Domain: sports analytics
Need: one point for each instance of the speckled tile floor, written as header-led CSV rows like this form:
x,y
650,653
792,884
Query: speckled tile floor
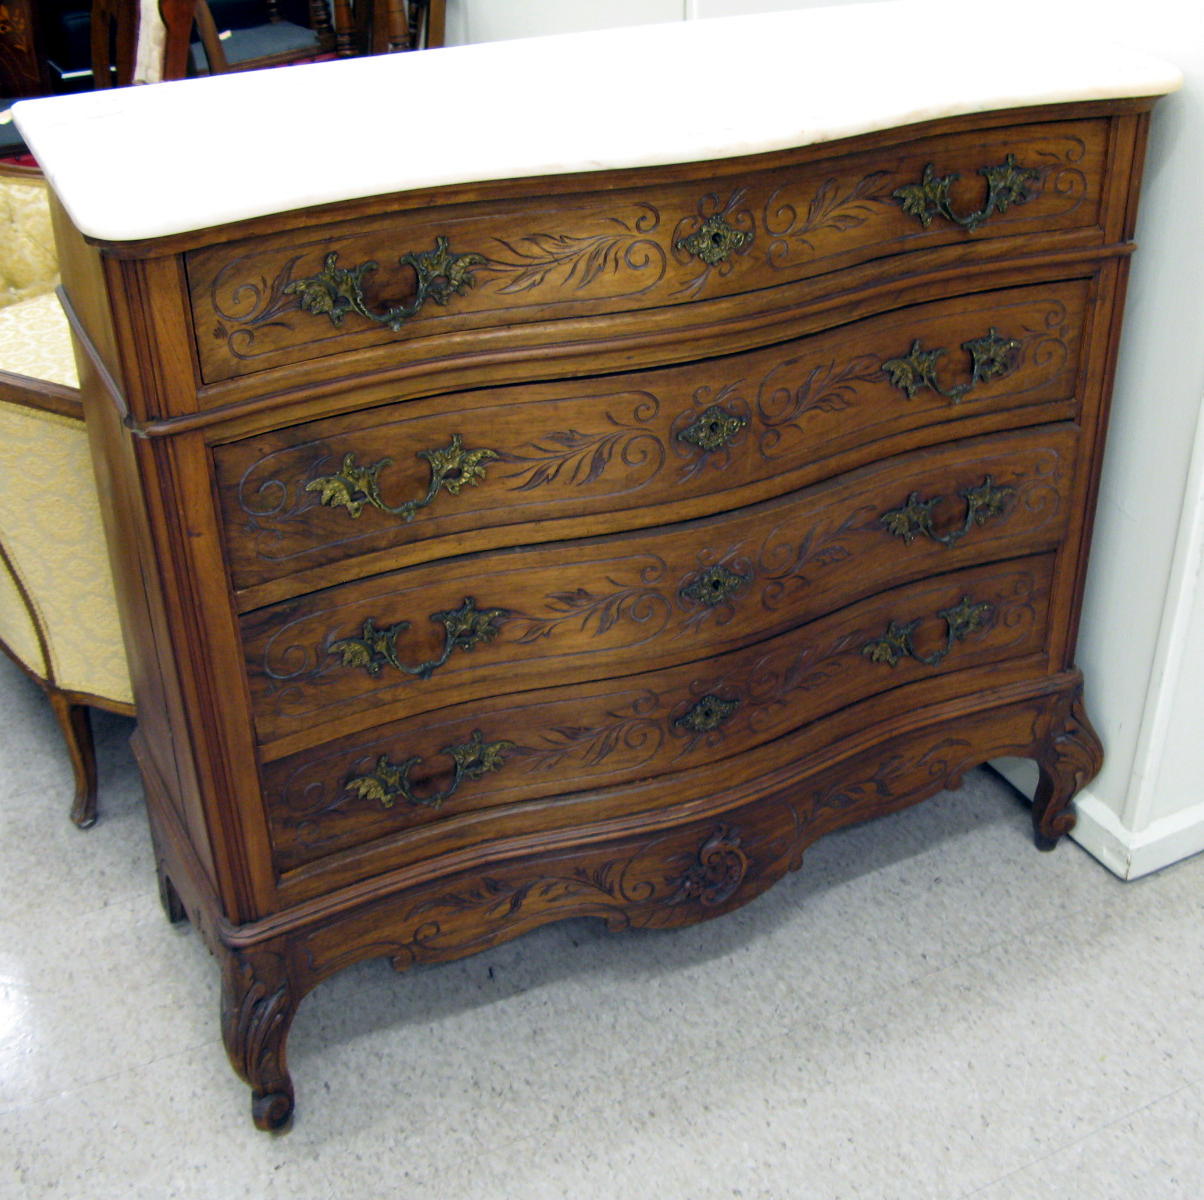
x,y
929,1009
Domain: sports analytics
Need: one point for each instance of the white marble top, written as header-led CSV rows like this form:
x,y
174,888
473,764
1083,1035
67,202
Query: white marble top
x,y
148,161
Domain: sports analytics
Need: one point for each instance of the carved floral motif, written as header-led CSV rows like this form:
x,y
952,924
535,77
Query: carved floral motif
x,y
718,872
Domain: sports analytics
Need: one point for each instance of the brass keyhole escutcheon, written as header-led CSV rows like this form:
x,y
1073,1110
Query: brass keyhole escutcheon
x,y
715,586
712,429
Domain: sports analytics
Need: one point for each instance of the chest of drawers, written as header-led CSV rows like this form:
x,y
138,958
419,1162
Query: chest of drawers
x,y
591,543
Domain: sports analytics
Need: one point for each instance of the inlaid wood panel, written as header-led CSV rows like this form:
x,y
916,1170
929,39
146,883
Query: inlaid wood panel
x,y
286,298
307,496
542,743
416,639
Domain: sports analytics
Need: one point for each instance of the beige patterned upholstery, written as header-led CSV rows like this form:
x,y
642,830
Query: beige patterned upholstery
x,y
35,340
50,527
58,612
28,265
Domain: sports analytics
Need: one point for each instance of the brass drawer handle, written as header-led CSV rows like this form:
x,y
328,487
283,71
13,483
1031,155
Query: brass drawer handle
x,y
353,486
335,291
991,357
964,618
389,782
983,502
1007,184
463,628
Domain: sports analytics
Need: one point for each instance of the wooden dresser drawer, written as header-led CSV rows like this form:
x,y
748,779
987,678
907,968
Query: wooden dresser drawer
x,y
417,639
284,298
583,523
542,743
406,483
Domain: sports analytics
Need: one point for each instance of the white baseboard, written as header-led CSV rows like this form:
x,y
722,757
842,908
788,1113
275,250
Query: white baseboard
x,y
1098,830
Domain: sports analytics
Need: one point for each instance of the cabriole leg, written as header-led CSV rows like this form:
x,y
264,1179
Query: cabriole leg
x,y
258,1004
77,730
1069,760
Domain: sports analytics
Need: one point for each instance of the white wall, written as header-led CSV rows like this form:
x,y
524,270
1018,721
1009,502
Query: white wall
x,y
1141,646
500,20
1142,639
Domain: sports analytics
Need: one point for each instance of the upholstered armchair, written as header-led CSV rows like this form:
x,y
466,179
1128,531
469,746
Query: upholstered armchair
x,y
58,614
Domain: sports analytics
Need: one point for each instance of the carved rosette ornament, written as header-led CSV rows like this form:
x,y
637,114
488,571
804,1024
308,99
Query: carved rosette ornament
x,y
718,872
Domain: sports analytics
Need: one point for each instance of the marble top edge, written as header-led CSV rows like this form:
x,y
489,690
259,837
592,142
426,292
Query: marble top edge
x,y
194,154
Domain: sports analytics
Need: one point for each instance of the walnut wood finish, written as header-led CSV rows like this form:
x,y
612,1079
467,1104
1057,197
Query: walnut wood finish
x,y
443,631
622,250
575,611
603,734
578,447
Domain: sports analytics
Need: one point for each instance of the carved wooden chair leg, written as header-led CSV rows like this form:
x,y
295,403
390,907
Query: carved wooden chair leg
x,y
77,730
1070,759
258,1005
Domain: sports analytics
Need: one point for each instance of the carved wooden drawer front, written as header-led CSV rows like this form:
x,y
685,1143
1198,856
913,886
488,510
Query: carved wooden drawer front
x,y
539,744
420,638
494,548
303,497
266,302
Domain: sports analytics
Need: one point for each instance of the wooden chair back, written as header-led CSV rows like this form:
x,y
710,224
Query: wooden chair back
x,y
181,17
114,42
387,26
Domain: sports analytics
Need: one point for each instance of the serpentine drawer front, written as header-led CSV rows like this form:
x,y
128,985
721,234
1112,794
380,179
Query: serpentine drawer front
x,y
587,529
548,742
511,464
498,623
271,301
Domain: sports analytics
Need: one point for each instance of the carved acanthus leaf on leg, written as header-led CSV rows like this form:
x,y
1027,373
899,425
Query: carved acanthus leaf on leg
x,y
1070,759
258,1004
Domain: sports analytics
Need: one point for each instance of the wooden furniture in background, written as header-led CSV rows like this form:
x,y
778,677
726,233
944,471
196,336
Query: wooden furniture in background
x,y
272,43
114,41
22,69
590,544
388,26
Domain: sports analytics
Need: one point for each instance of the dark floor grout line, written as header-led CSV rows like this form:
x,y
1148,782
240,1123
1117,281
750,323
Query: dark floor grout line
x,y
80,1086
1061,1149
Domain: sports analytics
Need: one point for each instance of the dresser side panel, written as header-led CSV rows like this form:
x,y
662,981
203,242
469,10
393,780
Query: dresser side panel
x,y
137,574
